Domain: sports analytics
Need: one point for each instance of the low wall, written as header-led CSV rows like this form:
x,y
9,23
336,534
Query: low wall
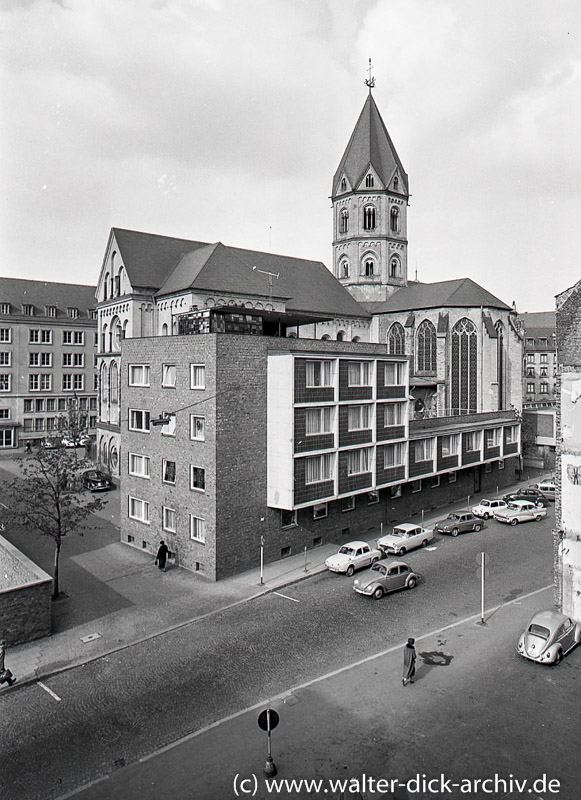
x,y
25,597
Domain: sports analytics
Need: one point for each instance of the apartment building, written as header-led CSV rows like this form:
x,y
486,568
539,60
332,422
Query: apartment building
x,y
47,358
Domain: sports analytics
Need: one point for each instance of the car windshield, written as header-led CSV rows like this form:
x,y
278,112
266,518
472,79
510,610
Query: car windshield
x,y
485,502
539,630
379,568
514,507
399,532
453,516
347,551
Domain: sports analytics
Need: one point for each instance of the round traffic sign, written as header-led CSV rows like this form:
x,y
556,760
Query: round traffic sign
x,y
268,719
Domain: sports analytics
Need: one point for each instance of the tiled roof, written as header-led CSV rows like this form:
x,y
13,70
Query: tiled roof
x,y
538,319
18,292
167,265
459,293
370,143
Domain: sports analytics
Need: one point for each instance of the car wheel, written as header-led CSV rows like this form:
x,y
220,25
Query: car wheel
x,y
378,593
486,516
411,583
477,528
539,517
455,531
558,657
350,570
425,543
401,551
514,521
374,560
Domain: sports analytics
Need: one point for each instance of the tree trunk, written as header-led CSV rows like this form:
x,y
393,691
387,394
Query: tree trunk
x,y
55,575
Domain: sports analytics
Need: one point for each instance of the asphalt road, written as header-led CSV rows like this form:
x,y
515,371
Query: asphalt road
x,y
114,710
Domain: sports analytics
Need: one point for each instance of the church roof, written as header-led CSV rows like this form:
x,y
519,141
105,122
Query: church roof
x,y
458,293
370,143
166,265
40,294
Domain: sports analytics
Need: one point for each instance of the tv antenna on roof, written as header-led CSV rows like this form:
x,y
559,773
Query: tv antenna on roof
x,y
271,275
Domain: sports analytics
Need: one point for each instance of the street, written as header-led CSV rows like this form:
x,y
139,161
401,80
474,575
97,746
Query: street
x,y
115,710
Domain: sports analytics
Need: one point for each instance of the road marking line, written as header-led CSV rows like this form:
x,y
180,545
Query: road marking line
x,y
287,597
50,691
3,506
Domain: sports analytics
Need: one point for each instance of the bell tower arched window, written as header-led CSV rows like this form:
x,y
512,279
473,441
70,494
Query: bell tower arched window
x,y
369,218
344,221
394,219
396,340
426,347
394,267
344,269
396,182
369,182
464,367
343,184
368,267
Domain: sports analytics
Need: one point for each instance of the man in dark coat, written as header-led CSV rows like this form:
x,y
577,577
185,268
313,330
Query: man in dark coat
x,y
161,557
5,674
409,662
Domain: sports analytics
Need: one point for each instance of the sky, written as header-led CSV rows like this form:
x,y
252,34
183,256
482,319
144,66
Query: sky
x,y
223,120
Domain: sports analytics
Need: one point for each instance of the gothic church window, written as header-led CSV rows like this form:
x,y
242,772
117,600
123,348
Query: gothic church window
x,y
395,182
369,181
426,347
464,367
369,218
368,268
394,267
394,219
396,340
344,221
344,269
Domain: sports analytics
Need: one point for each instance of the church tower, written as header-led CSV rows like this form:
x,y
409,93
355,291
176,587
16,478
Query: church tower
x,y
370,200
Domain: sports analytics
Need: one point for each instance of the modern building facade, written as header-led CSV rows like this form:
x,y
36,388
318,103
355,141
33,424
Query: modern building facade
x,y
47,358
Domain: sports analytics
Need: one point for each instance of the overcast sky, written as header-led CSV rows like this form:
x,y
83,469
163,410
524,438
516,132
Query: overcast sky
x,y
224,120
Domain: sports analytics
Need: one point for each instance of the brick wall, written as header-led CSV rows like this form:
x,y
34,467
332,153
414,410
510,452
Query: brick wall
x,y
25,597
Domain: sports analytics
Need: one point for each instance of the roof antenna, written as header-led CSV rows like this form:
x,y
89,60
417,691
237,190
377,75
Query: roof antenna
x,y
369,81
416,270
271,275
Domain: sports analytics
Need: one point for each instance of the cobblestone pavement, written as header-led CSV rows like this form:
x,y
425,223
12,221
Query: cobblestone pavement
x,y
117,709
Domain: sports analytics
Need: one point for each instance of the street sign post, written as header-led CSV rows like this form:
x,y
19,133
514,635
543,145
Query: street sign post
x,y
267,721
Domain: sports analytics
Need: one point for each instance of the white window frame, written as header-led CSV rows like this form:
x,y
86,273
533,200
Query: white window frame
x,y
46,359
165,373
293,522
511,434
197,488
164,464
359,373
398,448
146,419
79,337
169,427
134,470
321,468
359,418
319,374
68,359
396,410
452,477
202,437
394,373
197,371
78,360
452,442
319,421
34,336
426,446
131,510
416,485
6,335
360,461
496,437
33,382
6,358
67,382
45,382
320,511
348,504
4,413
166,525
200,524
5,382
78,382
139,374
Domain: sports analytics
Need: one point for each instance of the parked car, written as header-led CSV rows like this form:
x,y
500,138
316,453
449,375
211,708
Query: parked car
x,y
520,511
385,577
547,488
548,637
528,493
486,508
51,443
458,522
352,556
96,481
404,537
80,441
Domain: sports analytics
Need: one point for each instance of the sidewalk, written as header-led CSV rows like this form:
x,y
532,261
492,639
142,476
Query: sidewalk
x,y
126,599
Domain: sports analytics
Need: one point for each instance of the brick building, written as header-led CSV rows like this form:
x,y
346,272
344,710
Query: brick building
x,y
567,534
47,357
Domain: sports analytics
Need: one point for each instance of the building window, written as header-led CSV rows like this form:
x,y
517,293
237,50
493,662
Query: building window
x,y
372,498
394,267
416,486
39,405
6,335
4,413
544,388
530,372
51,423
169,427
28,406
67,359
394,219
197,376
396,340
139,510
50,311
531,388
78,360
320,511
544,372
39,424
45,382
394,455
319,373
73,313
358,418
348,503
394,374
344,269
28,310
344,221
464,367
4,382
168,471
197,478
493,437
511,434
319,468
501,464
50,404
395,491
46,359
530,358
393,414
34,335
426,347
67,337
369,182
359,461
288,519
359,373
4,308
197,428
319,420
435,481
138,375
450,445
343,184
423,450
62,404
33,383
369,218
544,358
139,420
139,465
488,468
168,376
79,383
168,519
5,359
452,477
368,269
197,529
78,337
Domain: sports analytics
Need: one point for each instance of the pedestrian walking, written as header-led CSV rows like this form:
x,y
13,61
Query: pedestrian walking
x,y
161,557
28,447
409,662
5,674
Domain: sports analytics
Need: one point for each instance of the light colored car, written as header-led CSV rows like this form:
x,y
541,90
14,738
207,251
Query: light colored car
x,y
458,522
548,637
486,508
352,556
385,577
403,538
520,511
547,489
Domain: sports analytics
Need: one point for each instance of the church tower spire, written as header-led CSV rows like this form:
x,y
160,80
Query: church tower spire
x,y
370,199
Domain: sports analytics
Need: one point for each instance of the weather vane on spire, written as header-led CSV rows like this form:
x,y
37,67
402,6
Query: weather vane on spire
x,y
370,81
